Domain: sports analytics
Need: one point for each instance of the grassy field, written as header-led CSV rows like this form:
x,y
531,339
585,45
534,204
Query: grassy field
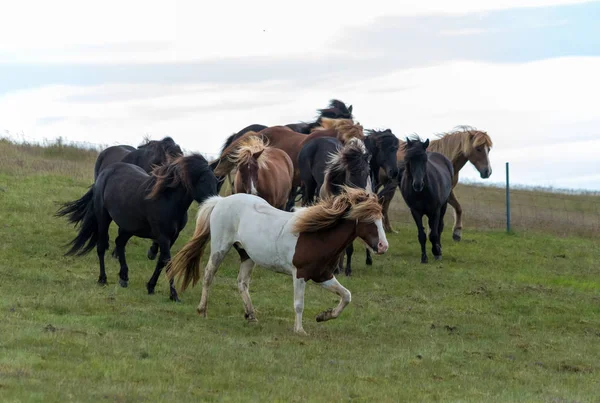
x,y
505,317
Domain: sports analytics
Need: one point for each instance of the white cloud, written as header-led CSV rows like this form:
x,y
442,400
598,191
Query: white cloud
x,y
541,115
72,31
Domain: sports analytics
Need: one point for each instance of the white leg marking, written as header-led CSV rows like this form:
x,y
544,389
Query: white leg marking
x,y
299,286
209,274
383,245
345,297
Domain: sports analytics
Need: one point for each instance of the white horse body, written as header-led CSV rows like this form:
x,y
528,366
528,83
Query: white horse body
x,y
263,231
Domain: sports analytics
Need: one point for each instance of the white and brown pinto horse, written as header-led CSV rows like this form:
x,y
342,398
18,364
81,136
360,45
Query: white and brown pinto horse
x,y
305,244
263,171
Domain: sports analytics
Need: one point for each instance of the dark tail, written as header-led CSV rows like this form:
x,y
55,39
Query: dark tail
x,y
81,213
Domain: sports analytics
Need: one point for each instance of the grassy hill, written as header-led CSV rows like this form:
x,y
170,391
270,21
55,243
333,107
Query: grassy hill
x,y
504,317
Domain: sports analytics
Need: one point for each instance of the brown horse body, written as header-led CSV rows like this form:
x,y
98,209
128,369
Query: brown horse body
x,y
463,145
263,171
291,142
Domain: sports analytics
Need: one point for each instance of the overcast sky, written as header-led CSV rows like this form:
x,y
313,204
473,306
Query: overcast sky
x,y
110,72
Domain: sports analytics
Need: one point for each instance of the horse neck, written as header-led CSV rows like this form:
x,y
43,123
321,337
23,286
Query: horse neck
x,y
322,248
456,155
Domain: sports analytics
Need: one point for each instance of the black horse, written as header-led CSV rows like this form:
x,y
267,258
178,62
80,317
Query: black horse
x,y
147,206
425,185
325,166
146,156
383,145
336,110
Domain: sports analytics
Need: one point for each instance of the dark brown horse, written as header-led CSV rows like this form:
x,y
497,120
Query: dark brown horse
x,y
147,206
465,144
291,142
147,156
425,185
263,171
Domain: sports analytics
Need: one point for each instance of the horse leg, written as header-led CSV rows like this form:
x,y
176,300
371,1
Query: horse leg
x,y
102,245
386,200
335,287
418,217
120,243
434,235
349,252
457,230
299,286
340,264
309,192
369,259
243,280
163,258
215,260
153,251
291,199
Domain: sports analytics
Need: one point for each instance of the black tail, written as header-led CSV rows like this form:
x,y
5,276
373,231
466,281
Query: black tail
x,y
81,212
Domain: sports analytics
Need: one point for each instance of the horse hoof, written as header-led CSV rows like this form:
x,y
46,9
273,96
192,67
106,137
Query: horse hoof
x,y
250,318
101,281
456,237
201,312
151,254
174,298
301,332
150,290
424,260
369,262
325,315
348,273
438,258
123,283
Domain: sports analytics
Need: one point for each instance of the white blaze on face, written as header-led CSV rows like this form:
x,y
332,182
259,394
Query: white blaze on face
x,y
253,188
487,158
382,246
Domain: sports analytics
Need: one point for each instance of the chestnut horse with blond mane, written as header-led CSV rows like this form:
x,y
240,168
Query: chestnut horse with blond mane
x,y
263,171
304,244
465,144
291,142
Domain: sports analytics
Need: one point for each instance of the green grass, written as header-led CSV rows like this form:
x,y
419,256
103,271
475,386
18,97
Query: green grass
x,y
505,317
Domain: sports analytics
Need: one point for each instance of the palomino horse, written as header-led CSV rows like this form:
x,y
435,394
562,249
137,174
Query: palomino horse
x,y
304,244
336,110
425,185
465,144
145,206
326,166
147,156
291,142
263,171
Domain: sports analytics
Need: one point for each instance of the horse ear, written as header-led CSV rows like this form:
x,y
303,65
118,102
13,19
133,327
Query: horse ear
x,y
408,141
256,155
426,144
350,109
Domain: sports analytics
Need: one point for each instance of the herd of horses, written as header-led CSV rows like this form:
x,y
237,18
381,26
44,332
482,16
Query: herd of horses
x,y
346,178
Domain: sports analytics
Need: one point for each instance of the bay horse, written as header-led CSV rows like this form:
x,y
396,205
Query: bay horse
x,y
304,244
291,142
336,110
326,166
147,206
263,171
146,156
425,185
462,145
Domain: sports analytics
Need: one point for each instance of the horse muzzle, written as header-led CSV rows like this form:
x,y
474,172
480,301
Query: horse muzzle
x,y
486,173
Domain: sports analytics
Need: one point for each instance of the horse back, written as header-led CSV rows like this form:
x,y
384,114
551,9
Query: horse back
x,y
111,155
441,171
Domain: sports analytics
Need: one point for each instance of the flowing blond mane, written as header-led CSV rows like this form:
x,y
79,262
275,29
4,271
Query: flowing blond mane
x,y
352,204
461,140
345,128
247,148
226,164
